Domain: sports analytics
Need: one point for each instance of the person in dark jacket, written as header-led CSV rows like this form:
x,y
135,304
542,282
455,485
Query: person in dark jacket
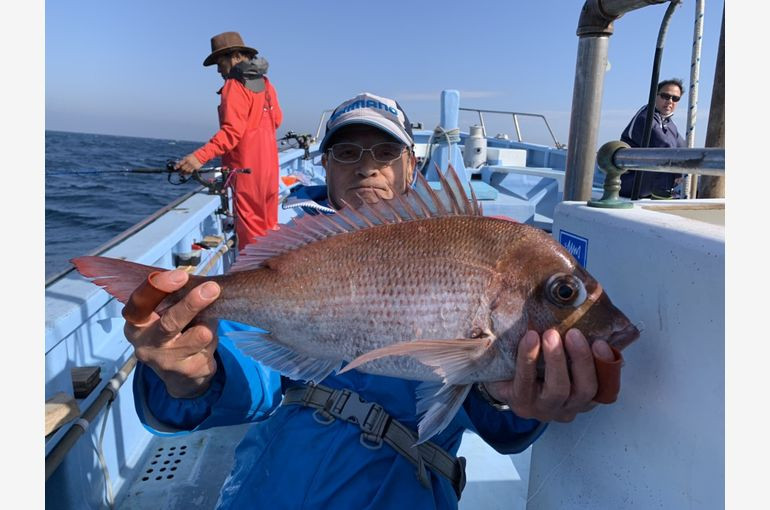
x,y
664,134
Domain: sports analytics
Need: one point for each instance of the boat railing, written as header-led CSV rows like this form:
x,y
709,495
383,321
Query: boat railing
x,y
616,158
701,161
125,234
515,116
321,124
81,426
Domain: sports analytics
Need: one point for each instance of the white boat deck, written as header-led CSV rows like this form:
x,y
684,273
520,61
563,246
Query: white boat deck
x,y
494,481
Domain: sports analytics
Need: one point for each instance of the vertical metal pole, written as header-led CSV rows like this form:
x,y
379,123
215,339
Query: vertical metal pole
x,y
691,181
516,126
483,127
711,186
446,150
584,121
594,30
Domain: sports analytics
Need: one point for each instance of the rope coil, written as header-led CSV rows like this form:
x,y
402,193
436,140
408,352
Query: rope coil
x,y
452,136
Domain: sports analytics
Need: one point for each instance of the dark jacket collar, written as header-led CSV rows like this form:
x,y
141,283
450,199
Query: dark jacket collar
x,y
250,73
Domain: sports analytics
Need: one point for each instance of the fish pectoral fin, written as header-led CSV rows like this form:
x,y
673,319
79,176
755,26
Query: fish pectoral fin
x,y
454,360
263,348
437,404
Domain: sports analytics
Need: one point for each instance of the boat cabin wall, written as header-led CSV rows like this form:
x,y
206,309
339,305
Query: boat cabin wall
x,y
661,445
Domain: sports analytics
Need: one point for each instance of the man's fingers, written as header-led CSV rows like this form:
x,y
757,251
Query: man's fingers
x,y
188,164
205,337
177,317
525,381
172,357
584,383
556,387
601,350
192,377
526,359
143,301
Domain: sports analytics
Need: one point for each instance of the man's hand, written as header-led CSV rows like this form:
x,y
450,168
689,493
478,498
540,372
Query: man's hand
x,y
558,397
188,164
183,360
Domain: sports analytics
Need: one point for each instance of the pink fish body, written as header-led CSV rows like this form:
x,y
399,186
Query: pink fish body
x,y
421,287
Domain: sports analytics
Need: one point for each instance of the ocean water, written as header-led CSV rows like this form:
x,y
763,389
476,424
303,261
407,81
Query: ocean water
x,y
90,197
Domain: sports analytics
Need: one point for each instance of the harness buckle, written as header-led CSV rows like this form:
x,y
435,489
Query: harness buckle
x,y
373,427
322,417
378,427
370,417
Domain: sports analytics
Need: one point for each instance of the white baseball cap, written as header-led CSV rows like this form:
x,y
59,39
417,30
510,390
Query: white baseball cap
x,y
366,108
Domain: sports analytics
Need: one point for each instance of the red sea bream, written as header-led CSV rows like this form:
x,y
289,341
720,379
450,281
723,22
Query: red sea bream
x,y
420,287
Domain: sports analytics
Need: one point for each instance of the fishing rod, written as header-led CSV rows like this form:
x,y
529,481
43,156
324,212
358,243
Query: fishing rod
x,y
175,177
215,186
146,170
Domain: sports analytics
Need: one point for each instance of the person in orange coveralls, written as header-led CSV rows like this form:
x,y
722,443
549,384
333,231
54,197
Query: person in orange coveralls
x,y
249,115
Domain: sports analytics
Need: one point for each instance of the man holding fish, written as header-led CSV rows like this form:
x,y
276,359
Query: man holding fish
x,y
322,447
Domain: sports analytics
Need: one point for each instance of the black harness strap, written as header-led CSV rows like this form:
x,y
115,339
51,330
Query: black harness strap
x,y
377,426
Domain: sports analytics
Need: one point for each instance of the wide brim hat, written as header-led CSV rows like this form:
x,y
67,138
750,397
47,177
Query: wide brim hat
x,y
366,108
226,42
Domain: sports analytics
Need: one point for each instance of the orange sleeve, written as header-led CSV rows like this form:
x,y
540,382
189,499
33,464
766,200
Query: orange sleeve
x,y
233,120
277,112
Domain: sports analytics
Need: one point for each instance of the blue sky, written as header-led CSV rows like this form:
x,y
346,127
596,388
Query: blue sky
x,y
135,68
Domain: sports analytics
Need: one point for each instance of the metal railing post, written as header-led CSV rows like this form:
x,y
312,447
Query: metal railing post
x,y
594,29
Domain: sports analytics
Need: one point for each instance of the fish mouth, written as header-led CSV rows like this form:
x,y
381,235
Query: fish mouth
x,y
623,338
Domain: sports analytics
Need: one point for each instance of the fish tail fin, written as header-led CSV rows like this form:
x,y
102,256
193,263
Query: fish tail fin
x,y
118,277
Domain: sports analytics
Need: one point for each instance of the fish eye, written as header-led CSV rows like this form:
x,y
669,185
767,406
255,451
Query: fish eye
x,y
565,290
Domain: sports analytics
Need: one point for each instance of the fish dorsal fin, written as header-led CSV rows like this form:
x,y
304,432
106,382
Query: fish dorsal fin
x,y
419,202
450,200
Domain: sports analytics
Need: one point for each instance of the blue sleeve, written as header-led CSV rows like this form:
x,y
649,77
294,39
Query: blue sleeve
x,y
633,135
242,391
502,430
680,141
637,134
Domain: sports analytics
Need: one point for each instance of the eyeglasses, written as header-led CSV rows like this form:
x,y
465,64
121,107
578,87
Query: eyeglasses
x,y
666,97
385,152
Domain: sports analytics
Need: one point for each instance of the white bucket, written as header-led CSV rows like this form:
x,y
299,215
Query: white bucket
x,y
475,154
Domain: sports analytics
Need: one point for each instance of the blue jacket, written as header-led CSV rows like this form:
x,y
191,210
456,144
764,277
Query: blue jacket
x,y
664,134
289,460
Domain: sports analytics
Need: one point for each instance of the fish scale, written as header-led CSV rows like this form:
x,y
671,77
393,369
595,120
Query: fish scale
x,y
394,303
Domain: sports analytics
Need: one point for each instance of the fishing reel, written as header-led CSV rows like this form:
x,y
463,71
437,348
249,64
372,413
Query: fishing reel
x,y
217,185
303,141
177,178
